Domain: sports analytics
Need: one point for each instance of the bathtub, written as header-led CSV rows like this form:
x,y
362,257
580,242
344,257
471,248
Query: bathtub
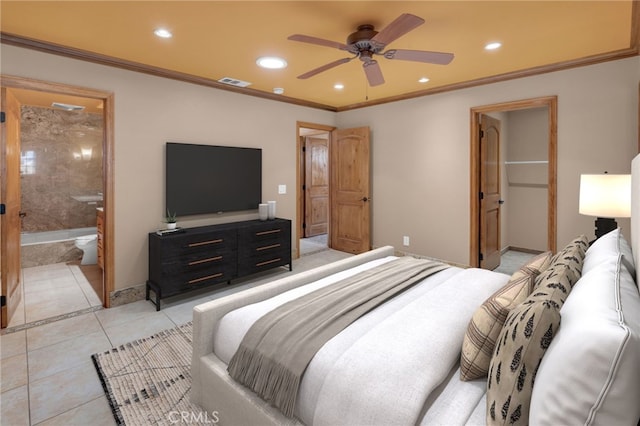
x,y
44,237
49,247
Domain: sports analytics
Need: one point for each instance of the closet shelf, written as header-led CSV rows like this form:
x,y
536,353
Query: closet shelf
x,y
527,162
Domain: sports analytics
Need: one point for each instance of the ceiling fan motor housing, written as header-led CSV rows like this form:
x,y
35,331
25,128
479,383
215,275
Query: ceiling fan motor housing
x,y
360,41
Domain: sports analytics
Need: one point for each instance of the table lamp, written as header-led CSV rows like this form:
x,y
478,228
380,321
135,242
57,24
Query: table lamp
x,y
605,196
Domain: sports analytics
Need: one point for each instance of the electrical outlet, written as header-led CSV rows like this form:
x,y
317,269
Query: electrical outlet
x,y
405,241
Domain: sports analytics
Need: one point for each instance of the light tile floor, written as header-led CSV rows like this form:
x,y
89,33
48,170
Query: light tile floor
x,y
313,244
512,260
47,376
52,290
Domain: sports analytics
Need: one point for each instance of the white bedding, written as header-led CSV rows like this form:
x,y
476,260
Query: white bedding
x,y
455,400
383,368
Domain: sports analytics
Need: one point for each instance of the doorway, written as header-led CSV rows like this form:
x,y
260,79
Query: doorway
x,y
313,198
52,247
514,169
347,159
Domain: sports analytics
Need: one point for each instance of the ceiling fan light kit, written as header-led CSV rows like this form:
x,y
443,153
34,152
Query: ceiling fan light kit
x,y
367,42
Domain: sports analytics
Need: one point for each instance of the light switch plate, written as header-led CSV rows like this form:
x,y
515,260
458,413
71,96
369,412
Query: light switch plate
x,y
282,189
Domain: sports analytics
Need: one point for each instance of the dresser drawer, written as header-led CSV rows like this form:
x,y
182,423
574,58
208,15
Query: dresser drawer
x,y
264,248
197,261
178,283
264,232
209,242
264,260
206,253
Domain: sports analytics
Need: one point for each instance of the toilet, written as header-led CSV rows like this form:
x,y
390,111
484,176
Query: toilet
x,y
89,246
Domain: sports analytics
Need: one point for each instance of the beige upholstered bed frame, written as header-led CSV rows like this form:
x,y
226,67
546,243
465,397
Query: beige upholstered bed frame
x,y
635,213
213,389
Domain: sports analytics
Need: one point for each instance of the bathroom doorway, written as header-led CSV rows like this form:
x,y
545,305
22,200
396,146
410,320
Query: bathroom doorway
x,y
65,186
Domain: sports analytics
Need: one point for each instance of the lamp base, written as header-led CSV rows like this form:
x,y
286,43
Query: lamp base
x,y
605,225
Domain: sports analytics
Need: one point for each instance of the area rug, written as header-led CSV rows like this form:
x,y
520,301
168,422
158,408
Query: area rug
x,y
148,381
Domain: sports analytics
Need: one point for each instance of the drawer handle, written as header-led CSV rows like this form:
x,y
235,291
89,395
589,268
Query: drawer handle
x,y
268,247
208,277
210,259
273,231
268,262
204,243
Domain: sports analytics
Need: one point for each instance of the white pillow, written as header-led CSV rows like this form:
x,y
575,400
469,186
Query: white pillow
x,y
589,374
612,243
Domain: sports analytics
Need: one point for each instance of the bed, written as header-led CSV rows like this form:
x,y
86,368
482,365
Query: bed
x,y
558,342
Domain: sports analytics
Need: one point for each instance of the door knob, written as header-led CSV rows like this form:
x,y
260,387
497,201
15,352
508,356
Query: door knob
x,y
365,199
500,201
22,214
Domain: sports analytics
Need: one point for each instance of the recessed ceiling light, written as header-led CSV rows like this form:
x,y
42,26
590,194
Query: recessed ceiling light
x,y
423,80
278,90
163,33
338,86
493,45
271,62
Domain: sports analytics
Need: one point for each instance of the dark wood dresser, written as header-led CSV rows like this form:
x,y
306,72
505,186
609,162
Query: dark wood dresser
x,y
212,256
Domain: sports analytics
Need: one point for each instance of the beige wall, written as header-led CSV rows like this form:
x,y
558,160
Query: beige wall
x,y
150,111
421,152
420,147
526,183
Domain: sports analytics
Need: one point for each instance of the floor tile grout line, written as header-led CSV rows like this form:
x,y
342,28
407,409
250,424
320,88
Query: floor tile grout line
x,y
26,349
79,285
103,329
50,320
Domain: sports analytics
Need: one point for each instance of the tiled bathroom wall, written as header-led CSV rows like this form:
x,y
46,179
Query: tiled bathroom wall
x,y
61,168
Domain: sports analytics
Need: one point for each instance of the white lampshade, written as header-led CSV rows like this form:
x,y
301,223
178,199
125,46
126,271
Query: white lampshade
x,y
605,195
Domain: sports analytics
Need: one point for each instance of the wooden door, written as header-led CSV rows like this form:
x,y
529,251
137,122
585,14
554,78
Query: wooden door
x,y
10,197
489,192
350,190
316,208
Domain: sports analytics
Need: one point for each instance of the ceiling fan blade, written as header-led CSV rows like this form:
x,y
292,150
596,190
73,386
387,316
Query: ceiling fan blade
x,y
373,72
318,41
402,25
440,58
324,68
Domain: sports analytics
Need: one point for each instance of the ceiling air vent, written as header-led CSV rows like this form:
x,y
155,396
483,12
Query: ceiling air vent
x,y
67,107
234,82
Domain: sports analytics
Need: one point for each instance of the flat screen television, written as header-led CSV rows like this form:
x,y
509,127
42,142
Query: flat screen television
x,y
206,179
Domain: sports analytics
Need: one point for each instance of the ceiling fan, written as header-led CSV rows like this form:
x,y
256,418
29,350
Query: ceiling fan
x,y
367,42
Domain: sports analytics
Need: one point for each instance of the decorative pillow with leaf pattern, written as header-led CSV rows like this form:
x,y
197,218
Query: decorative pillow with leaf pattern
x,y
526,335
572,255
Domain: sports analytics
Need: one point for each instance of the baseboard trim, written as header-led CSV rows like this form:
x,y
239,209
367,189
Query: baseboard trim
x,y
127,295
520,249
